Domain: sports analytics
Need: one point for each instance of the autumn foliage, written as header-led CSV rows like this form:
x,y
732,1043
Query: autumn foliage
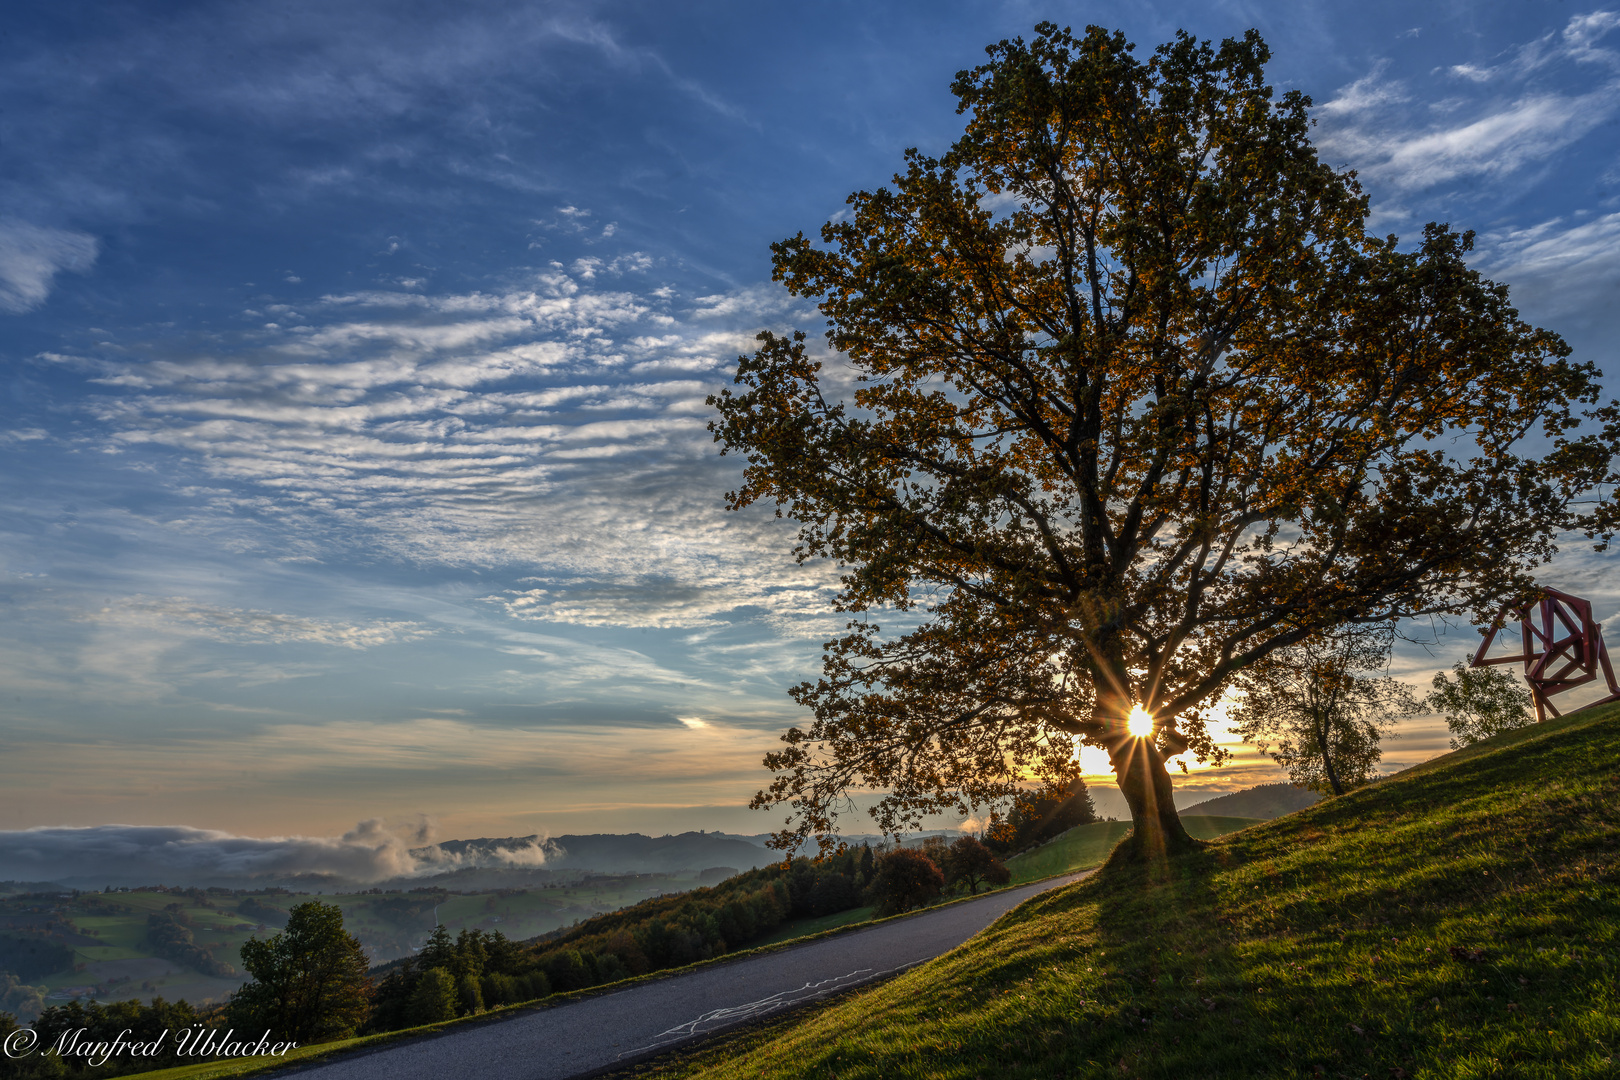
x,y
1121,399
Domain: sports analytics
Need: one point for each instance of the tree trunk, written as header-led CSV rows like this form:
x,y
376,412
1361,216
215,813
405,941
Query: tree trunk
x,y
1146,784
1320,724
1138,765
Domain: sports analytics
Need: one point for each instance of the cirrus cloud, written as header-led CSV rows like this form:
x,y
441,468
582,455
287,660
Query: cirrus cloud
x,y
1509,117
30,258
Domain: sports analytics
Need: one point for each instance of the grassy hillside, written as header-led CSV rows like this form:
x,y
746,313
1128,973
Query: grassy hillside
x,y
1088,845
1458,920
1265,802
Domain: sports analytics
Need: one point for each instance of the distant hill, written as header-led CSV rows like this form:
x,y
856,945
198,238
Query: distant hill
x,y
1265,802
607,853
610,853
9,888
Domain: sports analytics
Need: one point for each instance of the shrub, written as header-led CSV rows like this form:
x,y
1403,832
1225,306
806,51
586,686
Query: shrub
x,y
567,970
471,995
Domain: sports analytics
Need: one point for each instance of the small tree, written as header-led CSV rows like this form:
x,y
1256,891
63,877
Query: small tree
x,y
471,995
439,950
310,982
970,863
1310,710
1484,701
905,878
937,848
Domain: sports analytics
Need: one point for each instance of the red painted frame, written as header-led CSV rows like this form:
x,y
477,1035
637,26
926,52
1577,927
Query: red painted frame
x,y
1553,664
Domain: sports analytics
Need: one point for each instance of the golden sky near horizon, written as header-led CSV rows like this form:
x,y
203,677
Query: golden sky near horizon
x,y
473,780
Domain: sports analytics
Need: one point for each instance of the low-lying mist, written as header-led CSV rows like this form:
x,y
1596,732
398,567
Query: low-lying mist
x,y
102,855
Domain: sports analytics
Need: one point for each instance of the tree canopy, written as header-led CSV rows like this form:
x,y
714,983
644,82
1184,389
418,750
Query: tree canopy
x,y
1122,398
968,862
1037,816
905,878
1484,701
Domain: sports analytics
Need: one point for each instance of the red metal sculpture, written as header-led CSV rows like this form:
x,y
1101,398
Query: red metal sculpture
x,y
1554,663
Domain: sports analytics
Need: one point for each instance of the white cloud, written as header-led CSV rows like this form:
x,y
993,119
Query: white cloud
x,y
1559,267
1565,274
1365,94
31,256
759,304
179,615
554,425
1524,132
1512,135
1580,35
1509,120
710,593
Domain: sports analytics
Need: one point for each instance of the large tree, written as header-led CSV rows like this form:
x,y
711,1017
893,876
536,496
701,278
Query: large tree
x,y
1121,399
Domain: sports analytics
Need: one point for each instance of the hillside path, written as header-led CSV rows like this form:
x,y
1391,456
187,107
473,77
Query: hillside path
x,y
595,1034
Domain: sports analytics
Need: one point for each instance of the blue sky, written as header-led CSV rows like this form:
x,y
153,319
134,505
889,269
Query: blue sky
x,y
353,357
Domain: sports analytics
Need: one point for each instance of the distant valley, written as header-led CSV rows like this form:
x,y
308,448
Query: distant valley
x,y
78,936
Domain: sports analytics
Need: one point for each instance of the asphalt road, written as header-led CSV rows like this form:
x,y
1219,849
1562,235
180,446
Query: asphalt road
x,y
597,1033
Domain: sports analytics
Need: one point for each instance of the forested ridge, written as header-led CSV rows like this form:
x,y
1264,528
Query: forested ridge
x,y
478,970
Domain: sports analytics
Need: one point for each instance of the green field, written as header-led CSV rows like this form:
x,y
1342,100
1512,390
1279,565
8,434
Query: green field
x,y
1458,920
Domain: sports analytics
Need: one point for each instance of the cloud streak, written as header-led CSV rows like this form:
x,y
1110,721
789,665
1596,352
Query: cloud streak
x,y
557,424
30,258
1504,123
180,615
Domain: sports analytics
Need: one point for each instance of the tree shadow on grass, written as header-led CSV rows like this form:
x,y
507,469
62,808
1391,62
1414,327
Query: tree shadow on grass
x,y
1454,923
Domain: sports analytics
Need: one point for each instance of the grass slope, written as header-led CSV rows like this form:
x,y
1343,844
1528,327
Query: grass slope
x,y
1088,845
1458,920
1265,801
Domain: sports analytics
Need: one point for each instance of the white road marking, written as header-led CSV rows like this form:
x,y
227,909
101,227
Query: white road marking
x,y
716,1019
